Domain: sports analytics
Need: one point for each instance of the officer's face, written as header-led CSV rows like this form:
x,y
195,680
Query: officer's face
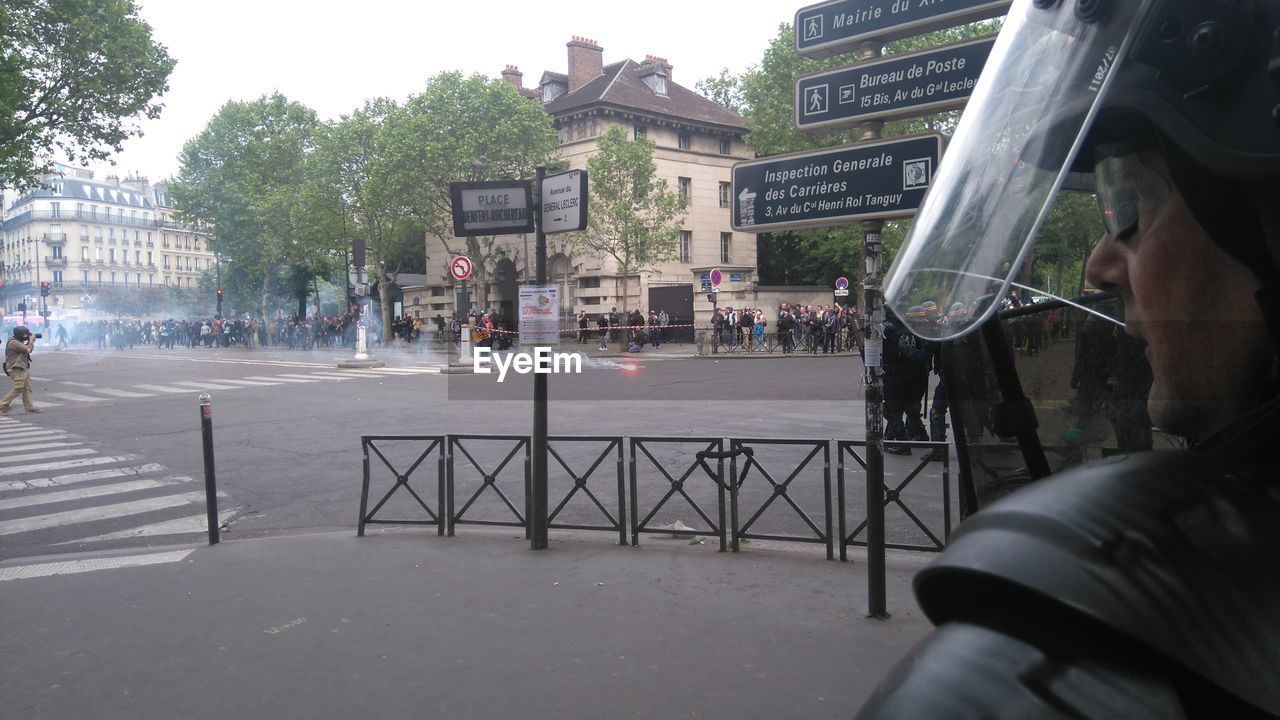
x,y
1190,301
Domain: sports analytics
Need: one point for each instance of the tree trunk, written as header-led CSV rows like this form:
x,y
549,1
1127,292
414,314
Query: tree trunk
x,y
266,295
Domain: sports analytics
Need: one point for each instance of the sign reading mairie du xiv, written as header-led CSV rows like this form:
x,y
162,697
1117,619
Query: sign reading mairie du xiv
x,y
838,26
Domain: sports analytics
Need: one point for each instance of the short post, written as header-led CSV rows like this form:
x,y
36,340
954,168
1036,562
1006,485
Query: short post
x,y
210,482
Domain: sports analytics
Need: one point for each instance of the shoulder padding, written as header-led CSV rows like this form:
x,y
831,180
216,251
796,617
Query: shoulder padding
x,y
1174,551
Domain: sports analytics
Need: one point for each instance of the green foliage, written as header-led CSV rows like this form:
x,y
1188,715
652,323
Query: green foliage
x,y
635,218
74,74
725,90
1067,237
245,176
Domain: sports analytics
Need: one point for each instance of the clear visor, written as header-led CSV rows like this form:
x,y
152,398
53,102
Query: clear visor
x,y
1012,150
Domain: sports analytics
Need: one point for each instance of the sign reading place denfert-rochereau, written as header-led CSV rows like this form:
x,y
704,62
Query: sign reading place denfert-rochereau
x,y
503,207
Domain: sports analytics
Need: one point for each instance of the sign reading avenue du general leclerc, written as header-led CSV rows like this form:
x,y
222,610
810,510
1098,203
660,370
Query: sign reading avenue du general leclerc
x,y
838,26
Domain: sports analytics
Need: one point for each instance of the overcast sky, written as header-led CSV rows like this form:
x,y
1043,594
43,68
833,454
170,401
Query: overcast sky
x,y
332,56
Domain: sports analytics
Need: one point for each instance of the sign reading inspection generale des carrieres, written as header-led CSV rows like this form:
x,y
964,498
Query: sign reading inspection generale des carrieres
x,y
882,179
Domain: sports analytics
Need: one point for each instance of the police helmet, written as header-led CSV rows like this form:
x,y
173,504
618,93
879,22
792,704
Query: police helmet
x,y
1071,80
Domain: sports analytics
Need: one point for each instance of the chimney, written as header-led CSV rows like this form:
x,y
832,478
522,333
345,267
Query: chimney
x,y
659,62
586,62
513,75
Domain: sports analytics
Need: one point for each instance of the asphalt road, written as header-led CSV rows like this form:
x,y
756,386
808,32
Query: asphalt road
x,y
115,459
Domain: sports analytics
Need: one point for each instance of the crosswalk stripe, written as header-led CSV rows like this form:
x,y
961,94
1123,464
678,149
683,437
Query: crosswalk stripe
x,y
405,371
205,385
87,492
93,514
163,388
121,393
332,376
190,524
8,441
365,373
75,396
47,455
87,476
250,383
37,446
65,464
315,378
286,378
45,404
23,432
71,567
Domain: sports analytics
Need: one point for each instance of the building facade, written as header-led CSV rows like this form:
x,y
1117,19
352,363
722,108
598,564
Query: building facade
x,y
83,235
698,143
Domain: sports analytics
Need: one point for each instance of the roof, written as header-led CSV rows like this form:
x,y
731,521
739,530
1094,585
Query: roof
x,y
77,189
620,85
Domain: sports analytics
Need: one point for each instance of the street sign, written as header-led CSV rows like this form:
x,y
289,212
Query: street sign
x,y
564,202
834,186
716,277
503,207
842,292
460,267
842,283
362,289
838,26
896,87
539,315
715,288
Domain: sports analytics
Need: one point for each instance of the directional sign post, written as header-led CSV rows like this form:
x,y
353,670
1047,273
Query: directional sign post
x,y
882,179
838,26
899,86
564,202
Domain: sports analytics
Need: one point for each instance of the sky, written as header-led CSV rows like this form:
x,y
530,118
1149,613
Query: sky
x,y
332,56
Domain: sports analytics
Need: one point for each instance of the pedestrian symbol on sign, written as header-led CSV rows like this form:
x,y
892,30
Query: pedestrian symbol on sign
x,y
816,102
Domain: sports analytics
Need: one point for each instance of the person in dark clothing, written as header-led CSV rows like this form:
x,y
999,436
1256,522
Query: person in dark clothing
x,y
906,359
1143,585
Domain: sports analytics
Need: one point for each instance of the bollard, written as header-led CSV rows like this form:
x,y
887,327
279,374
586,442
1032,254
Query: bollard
x,y
210,482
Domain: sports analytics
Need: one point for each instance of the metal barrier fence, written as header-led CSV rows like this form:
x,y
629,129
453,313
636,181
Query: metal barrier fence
x,y
729,503
893,495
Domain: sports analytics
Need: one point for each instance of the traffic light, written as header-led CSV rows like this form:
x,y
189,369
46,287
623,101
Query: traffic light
x,y
44,289
219,293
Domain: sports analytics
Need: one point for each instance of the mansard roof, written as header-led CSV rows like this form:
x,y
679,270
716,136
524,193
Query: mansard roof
x,y
621,85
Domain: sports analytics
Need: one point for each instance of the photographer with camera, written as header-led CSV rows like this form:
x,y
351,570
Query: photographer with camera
x,y
17,365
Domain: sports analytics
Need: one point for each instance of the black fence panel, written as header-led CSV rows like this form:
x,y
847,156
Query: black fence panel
x,y
566,515
676,453
784,493
430,444
482,453
934,452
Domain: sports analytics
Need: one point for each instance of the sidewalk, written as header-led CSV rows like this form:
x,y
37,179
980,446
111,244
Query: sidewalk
x,y
404,623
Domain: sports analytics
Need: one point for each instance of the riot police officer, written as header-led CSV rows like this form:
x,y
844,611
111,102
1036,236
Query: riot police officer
x,y
906,360
1143,586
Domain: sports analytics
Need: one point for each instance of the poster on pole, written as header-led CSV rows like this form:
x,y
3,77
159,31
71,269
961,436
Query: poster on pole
x,y
540,315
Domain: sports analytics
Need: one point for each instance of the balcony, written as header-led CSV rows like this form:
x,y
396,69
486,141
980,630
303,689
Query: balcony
x,y
58,262
98,240
55,238
99,261
84,238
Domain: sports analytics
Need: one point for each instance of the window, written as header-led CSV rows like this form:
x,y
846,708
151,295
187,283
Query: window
x,y
99,277
79,209
589,282
113,278
641,131
197,244
684,140
57,276
686,241
111,235
93,211
726,247
139,278
725,194
137,256
164,240
594,300
150,260
725,146
84,233
57,252
97,253
112,257
197,263
84,254
685,185
166,262
86,277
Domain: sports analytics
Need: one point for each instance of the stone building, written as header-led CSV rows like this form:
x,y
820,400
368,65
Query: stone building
x,y
82,235
698,141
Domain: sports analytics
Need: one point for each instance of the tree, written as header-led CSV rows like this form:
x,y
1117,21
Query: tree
x,y
459,129
724,90
74,75
244,175
635,218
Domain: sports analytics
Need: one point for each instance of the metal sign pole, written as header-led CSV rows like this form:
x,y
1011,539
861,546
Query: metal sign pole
x,y
538,508
873,320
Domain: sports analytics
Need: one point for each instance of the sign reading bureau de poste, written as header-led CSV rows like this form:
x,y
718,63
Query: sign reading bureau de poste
x,y
838,26
895,87
834,186
503,207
